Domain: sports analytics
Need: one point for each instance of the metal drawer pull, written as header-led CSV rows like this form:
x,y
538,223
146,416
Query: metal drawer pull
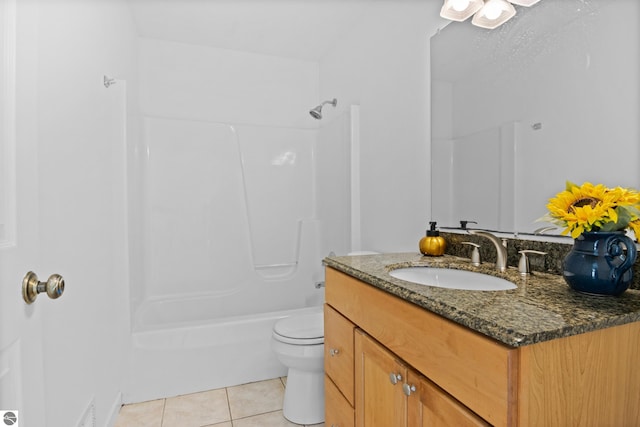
x,y
394,378
408,389
333,352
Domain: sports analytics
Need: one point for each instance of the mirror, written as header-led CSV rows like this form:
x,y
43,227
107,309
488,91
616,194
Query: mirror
x,y
552,95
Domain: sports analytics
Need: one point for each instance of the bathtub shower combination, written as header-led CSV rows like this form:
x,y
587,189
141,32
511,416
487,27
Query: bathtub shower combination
x,y
230,241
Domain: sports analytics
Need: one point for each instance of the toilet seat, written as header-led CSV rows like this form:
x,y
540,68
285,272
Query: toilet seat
x,y
307,329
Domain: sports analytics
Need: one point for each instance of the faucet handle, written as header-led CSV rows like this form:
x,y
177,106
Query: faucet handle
x,y
523,264
475,254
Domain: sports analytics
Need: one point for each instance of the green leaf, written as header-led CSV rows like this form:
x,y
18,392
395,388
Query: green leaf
x,y
569,185
624,218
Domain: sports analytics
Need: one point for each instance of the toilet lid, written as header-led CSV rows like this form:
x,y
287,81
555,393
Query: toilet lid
x,y
302,327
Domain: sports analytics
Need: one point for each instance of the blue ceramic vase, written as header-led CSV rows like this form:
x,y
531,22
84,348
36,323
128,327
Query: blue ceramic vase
x,y
600,263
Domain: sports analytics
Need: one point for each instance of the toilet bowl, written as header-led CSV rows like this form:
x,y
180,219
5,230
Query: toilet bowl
x,y
298,342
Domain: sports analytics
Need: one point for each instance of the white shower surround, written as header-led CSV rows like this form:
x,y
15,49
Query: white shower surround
x,y
226,208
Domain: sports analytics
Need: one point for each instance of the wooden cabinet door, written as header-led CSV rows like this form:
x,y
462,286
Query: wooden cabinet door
x,y
378,385
430,406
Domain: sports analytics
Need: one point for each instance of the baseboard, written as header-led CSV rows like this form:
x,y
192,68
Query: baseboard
x,y
114,411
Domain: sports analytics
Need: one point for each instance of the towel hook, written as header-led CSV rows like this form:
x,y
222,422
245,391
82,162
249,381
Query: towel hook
x,y
107,81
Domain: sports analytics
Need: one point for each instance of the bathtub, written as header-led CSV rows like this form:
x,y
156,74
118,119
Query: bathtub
x,y
189,357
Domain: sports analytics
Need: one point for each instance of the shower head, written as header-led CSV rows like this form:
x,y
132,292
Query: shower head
x,y
316,113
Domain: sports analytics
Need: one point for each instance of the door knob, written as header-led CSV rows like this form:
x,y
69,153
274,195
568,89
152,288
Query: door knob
x,y
31,287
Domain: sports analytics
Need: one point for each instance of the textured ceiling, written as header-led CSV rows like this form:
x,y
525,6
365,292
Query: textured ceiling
x,y
300,29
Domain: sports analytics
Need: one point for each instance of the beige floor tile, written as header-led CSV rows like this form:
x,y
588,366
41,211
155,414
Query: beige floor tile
x,y
316,425
145,414
256,398
225,424
197,409
271,419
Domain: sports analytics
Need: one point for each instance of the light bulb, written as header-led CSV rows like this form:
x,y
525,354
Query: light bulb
x,y
493,14
492,10
459,5
460,10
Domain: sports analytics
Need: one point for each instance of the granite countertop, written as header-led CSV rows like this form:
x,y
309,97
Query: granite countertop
x,y
542,307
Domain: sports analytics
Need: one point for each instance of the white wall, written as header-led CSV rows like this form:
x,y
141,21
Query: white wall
x,y
182,80
81,168
383,65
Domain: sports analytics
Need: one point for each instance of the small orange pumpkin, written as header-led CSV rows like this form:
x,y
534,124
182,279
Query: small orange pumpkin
x,y
433,245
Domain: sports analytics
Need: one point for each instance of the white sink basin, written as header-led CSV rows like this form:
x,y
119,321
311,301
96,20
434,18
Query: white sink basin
x,y
452,279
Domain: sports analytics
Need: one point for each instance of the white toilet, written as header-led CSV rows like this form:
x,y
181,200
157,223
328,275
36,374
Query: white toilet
x,y
298,342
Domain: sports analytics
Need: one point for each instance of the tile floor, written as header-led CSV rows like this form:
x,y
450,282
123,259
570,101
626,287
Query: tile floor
x,y
256,404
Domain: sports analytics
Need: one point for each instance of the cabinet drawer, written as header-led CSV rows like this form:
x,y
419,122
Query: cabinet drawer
x,y
338,412
338,351
474,369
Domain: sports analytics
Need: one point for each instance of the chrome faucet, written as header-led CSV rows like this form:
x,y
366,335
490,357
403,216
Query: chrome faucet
x,y
501,250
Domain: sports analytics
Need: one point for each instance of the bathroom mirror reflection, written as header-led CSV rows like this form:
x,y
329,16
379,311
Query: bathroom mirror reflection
x,y
550,96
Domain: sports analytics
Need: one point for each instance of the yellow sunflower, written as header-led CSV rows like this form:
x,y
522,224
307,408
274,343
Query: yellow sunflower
x,y
594,208
635,226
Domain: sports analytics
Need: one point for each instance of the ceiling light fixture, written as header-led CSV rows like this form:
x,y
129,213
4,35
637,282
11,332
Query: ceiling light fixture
x,y
486,13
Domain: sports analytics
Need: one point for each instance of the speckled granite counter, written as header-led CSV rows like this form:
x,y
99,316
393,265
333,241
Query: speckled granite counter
x,y
542,307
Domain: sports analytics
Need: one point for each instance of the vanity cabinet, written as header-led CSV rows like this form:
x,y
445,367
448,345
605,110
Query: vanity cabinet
x,y
455,376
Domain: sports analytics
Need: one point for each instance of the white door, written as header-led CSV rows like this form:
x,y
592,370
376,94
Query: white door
x,y
21,364
62,210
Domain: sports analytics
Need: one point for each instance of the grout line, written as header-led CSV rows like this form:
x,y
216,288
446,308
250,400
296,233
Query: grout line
x,y
164,406
261,413
226,391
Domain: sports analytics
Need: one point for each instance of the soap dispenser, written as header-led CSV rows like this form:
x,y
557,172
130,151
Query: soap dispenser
x,y
433,244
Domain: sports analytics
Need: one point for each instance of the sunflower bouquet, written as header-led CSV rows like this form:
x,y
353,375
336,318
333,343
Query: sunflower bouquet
x,y
589,207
